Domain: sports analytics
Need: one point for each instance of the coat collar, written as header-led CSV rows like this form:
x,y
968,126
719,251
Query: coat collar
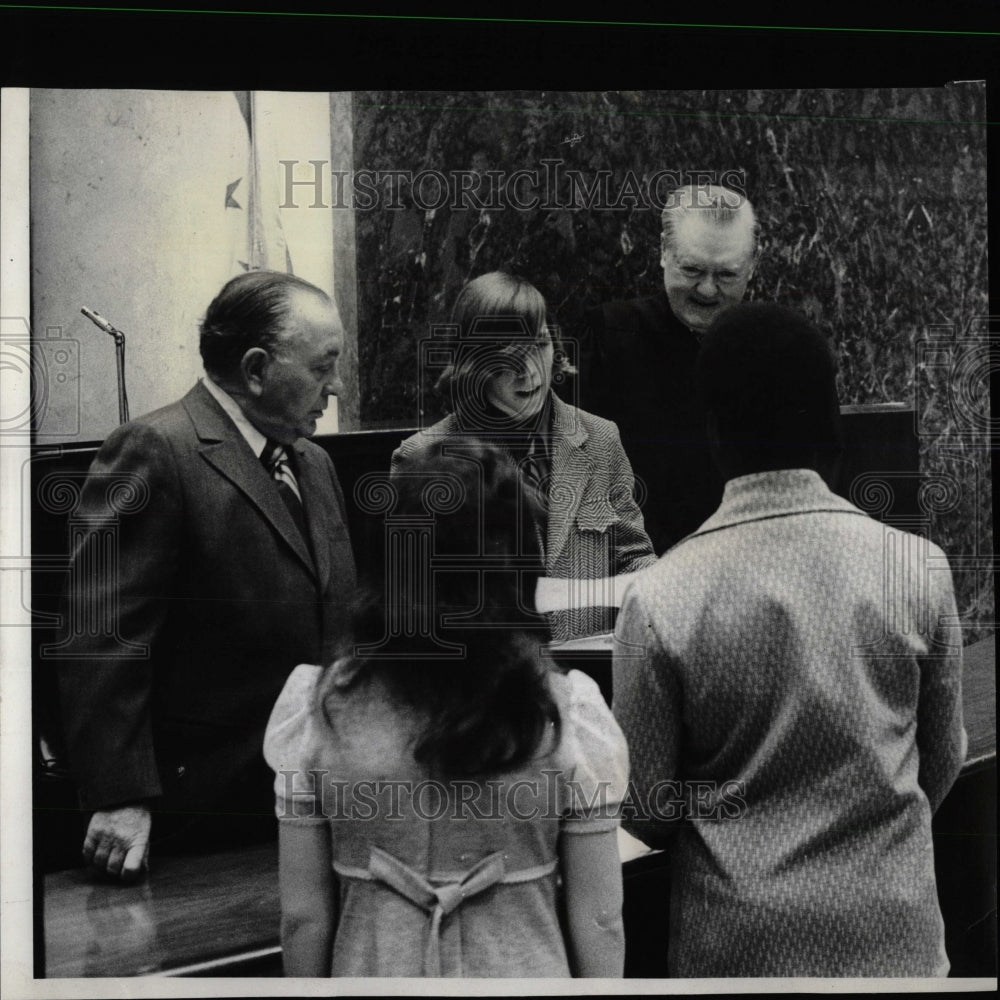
x,y
764,495
226,450
571,471
566,423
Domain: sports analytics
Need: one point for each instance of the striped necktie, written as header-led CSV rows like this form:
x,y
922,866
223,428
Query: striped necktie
x,y
275,460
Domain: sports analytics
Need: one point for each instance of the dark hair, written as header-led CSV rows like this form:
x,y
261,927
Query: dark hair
x,y
486,711
497,315
248,312
769,377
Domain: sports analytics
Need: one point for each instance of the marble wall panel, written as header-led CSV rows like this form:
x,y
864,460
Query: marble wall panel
x,y
872,205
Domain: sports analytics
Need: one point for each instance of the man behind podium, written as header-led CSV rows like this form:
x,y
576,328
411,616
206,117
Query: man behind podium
x,y
229,573
638,361
790,675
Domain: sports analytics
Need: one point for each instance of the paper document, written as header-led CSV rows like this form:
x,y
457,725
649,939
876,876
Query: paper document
x,y
554,594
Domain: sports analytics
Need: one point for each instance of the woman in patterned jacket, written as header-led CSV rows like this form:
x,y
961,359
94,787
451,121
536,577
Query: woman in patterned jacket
x,y
499,389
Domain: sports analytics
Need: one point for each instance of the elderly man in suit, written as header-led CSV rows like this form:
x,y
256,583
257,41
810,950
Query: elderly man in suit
x,y
788,678
234,567
638,357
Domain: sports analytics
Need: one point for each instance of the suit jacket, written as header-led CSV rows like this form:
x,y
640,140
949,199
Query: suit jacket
x,y
637,369
794,668
217,598
594,527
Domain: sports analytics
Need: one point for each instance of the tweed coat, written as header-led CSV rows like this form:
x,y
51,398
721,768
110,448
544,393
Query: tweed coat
x,y
594,527
218,598
791,673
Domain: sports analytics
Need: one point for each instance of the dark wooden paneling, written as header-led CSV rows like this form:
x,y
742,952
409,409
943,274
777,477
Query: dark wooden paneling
x,y
879,471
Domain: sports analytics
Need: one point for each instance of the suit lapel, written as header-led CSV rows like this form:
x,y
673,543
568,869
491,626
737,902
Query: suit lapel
x,y
226,450
318,514
570,474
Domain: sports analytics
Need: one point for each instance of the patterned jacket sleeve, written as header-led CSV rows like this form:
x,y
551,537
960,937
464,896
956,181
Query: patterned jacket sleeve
x,y
633,549
647,706
397,461
413,447
941,737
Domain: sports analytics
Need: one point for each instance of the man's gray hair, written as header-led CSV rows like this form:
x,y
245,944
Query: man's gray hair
x,y
721,205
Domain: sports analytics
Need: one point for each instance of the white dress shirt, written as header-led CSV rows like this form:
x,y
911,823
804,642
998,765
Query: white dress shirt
x,y
253,437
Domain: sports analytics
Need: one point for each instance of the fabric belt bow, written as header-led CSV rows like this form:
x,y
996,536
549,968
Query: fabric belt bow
x,y
438,901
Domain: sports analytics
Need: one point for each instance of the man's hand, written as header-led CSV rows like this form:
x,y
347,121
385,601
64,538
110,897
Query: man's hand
x,y
117,841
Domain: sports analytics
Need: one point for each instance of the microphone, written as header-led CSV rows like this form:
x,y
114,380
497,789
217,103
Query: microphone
x,y
98,320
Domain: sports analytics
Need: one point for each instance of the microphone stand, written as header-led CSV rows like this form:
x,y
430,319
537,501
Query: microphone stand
x,y
98,320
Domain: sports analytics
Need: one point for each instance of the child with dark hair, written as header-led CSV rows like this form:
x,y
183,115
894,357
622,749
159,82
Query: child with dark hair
x,y
448,800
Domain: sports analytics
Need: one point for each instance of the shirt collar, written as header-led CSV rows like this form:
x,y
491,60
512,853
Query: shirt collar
x,y
251,435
